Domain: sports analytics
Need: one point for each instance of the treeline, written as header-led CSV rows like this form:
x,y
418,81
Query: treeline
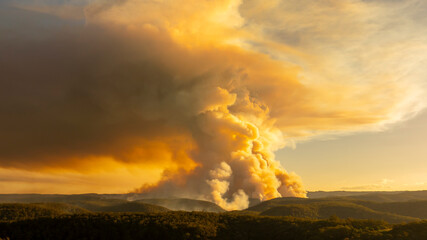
x,y
22,211
321,208
202,225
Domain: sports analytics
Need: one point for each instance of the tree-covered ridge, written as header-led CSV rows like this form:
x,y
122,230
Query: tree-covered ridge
x,y
343,207
324,210
317,208
202,225
183,204
117,205
21,211
133,207
417,209
92,217
115,202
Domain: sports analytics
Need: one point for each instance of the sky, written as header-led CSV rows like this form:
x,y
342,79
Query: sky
x,y
218,100
393,160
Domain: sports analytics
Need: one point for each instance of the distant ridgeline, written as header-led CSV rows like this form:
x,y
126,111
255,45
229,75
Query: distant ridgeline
x,y
133,217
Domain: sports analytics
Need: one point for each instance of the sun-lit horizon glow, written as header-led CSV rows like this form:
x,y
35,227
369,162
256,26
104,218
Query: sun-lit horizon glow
x,y
206,99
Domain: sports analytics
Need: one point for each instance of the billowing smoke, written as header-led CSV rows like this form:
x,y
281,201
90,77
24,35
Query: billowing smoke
x,y
233,155
220,186
204,92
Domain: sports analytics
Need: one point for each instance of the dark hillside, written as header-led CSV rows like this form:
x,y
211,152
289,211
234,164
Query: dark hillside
x,y
416,209
20,211
101,202
135,207
202,225
263,206
293,210
340,209
184,204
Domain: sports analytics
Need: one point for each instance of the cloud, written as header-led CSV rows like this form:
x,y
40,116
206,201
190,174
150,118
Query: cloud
x,y
180,87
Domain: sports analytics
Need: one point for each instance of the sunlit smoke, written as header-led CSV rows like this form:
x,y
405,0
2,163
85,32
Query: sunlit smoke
x,y
200,92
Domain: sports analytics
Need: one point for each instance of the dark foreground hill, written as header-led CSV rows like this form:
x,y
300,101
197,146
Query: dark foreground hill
x,y
115,202
22,211
81,206
133,207
184,204
202,225
117,205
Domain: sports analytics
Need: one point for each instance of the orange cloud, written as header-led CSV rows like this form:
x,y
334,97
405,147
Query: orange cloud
x,y
186,90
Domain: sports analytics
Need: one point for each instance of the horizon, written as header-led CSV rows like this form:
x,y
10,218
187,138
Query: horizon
x,y
176,197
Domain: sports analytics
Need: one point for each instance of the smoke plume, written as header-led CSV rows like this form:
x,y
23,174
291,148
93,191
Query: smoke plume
x,y
203,91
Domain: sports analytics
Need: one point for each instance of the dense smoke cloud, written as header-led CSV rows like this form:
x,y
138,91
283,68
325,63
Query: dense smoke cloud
x,y
205,91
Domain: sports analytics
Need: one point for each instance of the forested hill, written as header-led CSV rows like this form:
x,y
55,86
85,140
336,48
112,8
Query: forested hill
x,y
394,212
184,204
22,211
93,216
340,209
354,206
202,225
115,202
